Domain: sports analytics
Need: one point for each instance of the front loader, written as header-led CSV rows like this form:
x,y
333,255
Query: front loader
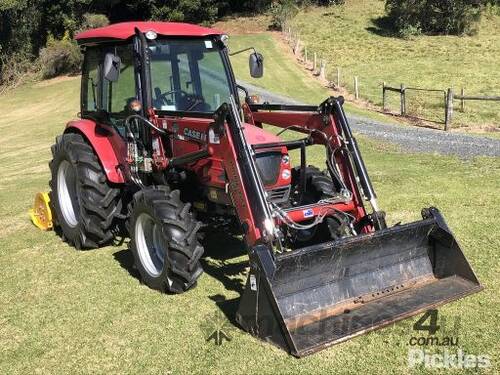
x,y
169,146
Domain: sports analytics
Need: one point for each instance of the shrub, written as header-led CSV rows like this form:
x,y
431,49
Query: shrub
x,y
59,57
492,9
281,12
165,13
15,68
409,31
92,21
329,2
434,17
196,11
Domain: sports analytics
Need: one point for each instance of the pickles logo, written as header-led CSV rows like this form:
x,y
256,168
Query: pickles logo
x,y
447,359
440,341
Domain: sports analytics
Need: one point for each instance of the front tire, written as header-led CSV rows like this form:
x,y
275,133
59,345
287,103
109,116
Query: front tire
x,y
87,207
164,241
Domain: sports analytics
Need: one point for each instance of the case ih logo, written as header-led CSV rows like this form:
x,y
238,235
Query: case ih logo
x,y
191,133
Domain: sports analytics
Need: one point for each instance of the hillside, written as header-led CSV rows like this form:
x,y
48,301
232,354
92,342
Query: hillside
x,y
348,37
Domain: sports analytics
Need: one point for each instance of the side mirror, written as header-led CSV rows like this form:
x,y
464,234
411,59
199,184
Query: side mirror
x,y
256,65
111,67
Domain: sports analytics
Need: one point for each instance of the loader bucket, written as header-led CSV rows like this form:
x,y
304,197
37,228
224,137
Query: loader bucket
x,y
321,295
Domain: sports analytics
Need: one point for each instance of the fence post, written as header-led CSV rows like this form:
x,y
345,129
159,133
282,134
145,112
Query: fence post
x,y
356,89
403,99
338,77
448,109
305,55
296,48
315,60
322,69
383,96
462,101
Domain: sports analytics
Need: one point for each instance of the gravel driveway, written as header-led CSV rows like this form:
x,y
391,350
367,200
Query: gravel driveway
x,y
410,138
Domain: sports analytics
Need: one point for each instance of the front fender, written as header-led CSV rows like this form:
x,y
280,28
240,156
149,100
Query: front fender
x,y
107,144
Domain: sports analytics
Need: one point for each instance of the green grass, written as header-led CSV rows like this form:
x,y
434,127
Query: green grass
x,y
348,38
283,75
65,311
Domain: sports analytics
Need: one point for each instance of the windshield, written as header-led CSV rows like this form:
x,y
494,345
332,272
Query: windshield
x,y
188,75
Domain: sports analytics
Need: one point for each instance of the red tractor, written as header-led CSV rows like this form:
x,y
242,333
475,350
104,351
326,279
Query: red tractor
x,y
165,146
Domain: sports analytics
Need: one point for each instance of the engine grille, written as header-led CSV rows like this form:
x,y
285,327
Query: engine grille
x,y
268,164
279,195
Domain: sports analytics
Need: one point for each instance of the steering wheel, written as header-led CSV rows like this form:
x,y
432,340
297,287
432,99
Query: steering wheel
x,y
163,96
190,100
193,101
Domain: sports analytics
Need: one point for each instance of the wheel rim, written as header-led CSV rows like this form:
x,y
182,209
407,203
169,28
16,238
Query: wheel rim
x,y
66,193
150,244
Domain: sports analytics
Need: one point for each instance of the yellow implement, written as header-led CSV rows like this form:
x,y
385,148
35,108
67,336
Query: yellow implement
x,y
40,214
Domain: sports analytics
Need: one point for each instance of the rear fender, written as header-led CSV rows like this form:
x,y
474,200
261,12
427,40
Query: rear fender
x,y
107,144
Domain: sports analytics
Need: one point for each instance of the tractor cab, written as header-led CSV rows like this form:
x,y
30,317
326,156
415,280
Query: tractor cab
x,y
169,68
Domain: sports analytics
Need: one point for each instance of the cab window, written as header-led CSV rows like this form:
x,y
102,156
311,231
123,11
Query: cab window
x,y
188,75
101,95
90,81
118,94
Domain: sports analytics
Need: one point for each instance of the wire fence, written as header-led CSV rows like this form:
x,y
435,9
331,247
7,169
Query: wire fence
x,y
438,106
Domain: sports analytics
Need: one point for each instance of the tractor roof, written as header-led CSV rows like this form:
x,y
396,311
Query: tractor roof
x,y
125,30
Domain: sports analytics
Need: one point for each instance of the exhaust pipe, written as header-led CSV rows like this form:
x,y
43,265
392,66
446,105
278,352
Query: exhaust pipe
x,y
321,295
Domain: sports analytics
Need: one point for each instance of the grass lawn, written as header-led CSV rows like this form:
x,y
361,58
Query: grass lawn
x,y
283,75
348,37
67,311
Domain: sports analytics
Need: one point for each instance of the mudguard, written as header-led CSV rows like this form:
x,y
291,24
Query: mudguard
x,y
107,144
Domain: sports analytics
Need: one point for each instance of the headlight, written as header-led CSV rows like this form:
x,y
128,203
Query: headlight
x,y
151,35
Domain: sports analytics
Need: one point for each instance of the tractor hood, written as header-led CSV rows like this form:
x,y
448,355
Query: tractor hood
x,y
255,135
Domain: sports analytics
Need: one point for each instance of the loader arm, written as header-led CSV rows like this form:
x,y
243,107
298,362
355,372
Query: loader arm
x,y
245,187
329,120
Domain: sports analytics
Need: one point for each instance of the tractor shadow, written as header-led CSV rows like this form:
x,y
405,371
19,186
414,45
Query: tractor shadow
x,y
218,262
221,250
126,261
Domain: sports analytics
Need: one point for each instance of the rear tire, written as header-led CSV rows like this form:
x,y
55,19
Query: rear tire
x,y
86,205
164,240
